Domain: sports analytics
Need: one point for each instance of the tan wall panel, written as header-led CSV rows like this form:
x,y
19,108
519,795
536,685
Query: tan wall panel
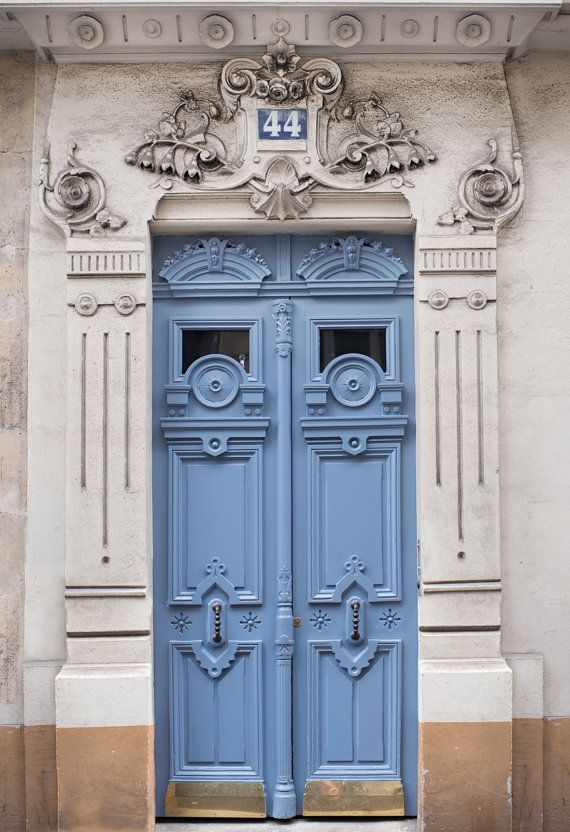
x,y
528,736
465,775
105,779
12,798
556,775
41,778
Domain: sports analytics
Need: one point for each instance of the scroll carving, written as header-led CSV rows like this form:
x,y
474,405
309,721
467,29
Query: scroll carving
x,y
489,196
77,199
355,144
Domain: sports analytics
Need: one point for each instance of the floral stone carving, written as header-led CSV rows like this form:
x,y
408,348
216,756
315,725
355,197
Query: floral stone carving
x,y
489,196
348,145
77,200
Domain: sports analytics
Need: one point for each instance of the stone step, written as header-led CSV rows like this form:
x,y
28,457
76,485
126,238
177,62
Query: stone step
x,y
295,825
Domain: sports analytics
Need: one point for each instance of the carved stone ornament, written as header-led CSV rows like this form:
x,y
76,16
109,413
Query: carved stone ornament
x,y
86,32
438,299
477,299
125,304
473,30
86,305
348,144
77,199
345,31
489,196
216,31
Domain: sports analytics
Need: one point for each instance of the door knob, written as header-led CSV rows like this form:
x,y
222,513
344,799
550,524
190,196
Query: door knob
x,y
355,621
296,622
217,610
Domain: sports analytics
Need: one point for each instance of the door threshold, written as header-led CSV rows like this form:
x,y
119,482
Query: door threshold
x,y
295,825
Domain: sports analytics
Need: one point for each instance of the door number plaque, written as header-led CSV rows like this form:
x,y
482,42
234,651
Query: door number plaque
x,y
282,124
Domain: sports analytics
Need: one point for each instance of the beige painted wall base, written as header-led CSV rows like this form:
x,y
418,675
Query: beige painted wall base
x,y
12,798
466,770
104,779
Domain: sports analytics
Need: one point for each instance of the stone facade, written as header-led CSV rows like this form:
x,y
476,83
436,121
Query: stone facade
x,y
75,648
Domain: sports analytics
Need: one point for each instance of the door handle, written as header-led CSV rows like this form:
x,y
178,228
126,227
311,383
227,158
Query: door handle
x,y
217,610
355,636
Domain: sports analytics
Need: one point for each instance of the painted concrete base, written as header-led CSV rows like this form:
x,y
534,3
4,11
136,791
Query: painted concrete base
x,y
298,825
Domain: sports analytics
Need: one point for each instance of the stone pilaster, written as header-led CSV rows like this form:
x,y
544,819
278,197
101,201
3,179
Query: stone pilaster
x,y
103,692
465,684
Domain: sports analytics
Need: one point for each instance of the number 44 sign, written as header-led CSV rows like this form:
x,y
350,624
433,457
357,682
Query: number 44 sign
x,y
282,124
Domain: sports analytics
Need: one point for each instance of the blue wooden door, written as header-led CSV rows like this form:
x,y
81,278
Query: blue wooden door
x,y
284,527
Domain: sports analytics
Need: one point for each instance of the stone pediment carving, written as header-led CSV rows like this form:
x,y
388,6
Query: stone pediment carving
x,y
279,127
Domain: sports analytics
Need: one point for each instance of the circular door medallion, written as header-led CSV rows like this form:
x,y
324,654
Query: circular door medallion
x,y
215,385
353,384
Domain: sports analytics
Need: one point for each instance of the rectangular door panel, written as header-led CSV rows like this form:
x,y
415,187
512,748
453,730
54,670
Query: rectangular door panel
x,y
364,743
202,490
366,528
217,718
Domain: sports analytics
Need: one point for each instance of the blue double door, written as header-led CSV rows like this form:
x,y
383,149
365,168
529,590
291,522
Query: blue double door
x,y
285,594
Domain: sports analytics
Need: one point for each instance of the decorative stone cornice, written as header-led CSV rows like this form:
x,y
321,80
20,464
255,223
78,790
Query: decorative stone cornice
x,y
132,31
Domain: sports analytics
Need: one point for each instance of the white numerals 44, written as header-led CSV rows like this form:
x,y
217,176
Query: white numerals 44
x,y
292,126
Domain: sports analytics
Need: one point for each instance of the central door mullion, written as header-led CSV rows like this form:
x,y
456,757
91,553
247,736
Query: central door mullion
x,y
284,798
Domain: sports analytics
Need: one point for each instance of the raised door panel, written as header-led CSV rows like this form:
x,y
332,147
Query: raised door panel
x,y
216,719
216,518
354,521
365,742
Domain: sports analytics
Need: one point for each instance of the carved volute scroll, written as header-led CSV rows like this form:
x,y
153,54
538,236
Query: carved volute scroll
x,y
489,196
77,199
369,146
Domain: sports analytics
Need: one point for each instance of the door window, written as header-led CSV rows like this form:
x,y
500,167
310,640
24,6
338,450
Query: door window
x,y
231,342
335,342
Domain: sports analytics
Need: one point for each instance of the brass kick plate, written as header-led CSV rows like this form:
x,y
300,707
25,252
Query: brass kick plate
x,y
193,799
360,798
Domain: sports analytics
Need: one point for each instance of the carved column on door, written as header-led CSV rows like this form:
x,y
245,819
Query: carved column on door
x,y
284,799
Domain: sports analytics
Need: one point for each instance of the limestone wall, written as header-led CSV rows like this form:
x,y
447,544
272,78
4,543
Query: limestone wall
x,y
17,89
534,371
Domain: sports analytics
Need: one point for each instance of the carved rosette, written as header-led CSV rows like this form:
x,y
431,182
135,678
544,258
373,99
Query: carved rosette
x,y
77,199
489,196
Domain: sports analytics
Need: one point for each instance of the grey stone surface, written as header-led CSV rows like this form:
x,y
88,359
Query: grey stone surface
x,y
297,825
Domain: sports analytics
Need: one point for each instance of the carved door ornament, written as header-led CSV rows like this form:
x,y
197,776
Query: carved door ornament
x,y
281,128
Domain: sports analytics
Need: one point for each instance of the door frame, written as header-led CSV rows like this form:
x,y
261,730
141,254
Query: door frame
x,y
457,505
